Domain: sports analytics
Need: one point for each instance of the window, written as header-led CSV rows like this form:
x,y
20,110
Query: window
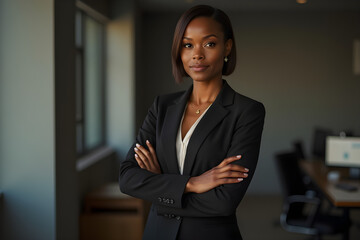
x,y
90,83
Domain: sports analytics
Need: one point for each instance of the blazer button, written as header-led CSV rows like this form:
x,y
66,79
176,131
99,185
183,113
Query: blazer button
x,y
172,215
178,218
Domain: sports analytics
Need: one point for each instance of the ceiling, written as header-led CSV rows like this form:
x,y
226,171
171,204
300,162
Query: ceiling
x,y
245,5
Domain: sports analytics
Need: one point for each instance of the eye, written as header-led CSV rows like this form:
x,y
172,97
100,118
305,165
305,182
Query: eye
x,y
210,44
187,45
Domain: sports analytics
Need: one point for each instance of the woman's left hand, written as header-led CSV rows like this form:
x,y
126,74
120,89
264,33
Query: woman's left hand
x,y
147,159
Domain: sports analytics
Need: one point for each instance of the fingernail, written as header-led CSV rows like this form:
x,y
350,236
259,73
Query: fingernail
x,y
245,174
238,156
136,155
147,141
138,145
240,179
246,169
136,149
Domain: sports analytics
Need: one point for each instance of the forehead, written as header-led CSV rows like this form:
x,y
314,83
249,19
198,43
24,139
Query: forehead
x,y
203,26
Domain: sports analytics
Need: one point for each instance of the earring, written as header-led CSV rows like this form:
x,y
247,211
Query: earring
x,y
226,59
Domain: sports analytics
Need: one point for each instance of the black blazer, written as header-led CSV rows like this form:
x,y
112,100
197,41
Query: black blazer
x,y
232,125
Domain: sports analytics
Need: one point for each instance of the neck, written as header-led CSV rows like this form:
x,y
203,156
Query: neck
x,y
205,92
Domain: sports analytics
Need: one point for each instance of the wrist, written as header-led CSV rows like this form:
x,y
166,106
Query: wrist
x,y
189,185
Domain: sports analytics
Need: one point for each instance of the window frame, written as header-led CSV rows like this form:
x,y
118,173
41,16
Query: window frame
x,y
83,11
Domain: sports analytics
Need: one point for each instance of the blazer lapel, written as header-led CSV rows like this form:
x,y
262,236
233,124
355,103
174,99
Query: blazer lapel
x,y
170,129
215,114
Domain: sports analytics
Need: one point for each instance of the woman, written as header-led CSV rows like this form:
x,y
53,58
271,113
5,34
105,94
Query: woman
x,y
197,150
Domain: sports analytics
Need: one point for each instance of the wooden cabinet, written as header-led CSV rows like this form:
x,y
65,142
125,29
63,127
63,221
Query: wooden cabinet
x,y
109,214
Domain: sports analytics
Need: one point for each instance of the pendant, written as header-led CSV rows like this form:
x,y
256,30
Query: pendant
x,y
197,111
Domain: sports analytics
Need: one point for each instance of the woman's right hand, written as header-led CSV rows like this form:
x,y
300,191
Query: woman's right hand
x,y
224,173
147,159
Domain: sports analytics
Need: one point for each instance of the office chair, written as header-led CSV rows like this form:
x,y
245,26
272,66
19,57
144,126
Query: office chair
x,y
301,212
299,149
300,155
319,141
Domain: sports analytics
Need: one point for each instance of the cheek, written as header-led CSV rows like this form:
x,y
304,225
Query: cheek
x,y
184,57
217,58
184,60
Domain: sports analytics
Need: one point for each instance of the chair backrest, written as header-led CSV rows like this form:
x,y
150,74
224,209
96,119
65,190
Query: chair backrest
x,y
319,141
290,173
291,181
299,149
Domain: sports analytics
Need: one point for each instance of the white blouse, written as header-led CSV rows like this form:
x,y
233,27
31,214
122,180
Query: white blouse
x,y
181,144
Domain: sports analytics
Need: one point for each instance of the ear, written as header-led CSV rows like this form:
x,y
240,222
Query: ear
x,y
228,46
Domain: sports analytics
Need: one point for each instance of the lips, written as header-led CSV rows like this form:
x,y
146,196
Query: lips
x,y
199,67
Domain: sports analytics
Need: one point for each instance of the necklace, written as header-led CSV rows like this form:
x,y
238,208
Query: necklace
x,y
198,109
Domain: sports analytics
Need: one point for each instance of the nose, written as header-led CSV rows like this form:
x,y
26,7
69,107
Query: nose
x,y
198,57
198,54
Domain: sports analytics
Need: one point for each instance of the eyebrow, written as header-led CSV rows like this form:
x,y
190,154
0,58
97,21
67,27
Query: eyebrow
x,y
207,36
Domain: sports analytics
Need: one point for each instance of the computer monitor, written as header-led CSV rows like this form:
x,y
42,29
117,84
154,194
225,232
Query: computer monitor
x,y
343,152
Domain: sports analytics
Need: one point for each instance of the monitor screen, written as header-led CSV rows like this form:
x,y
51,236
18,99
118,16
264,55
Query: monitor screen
x,y
343,151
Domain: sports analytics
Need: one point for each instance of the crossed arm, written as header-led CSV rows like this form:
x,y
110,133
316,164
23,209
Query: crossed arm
x,y
224,173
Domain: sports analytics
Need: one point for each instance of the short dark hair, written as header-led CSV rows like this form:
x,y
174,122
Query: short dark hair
x,y
185,19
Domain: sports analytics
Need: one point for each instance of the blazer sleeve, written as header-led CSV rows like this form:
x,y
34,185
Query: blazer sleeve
x,y
223,200
162,189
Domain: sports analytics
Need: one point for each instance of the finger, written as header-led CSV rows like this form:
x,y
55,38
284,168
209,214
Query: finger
x,y
142,157
139,162
228,160
151,149
149,157
232,167
232,174
153,153
229,180
144,151
141,151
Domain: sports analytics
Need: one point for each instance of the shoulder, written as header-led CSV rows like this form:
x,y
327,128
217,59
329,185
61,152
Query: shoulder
x,y
240,103
248,104
170,97
165,100
248,111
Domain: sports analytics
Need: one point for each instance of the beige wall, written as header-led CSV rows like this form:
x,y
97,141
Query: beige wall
x,y
121,77
27,136
299,64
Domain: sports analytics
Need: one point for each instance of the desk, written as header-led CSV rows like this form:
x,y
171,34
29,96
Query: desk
x,y
317,171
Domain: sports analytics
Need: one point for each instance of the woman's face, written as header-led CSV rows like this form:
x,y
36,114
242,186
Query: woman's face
x,y
204,49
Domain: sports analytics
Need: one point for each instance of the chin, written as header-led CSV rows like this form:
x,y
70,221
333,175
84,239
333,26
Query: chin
x,y
203,79
199,77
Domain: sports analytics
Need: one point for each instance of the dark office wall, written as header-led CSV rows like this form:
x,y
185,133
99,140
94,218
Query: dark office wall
x,y
66,176
154,75
299,64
